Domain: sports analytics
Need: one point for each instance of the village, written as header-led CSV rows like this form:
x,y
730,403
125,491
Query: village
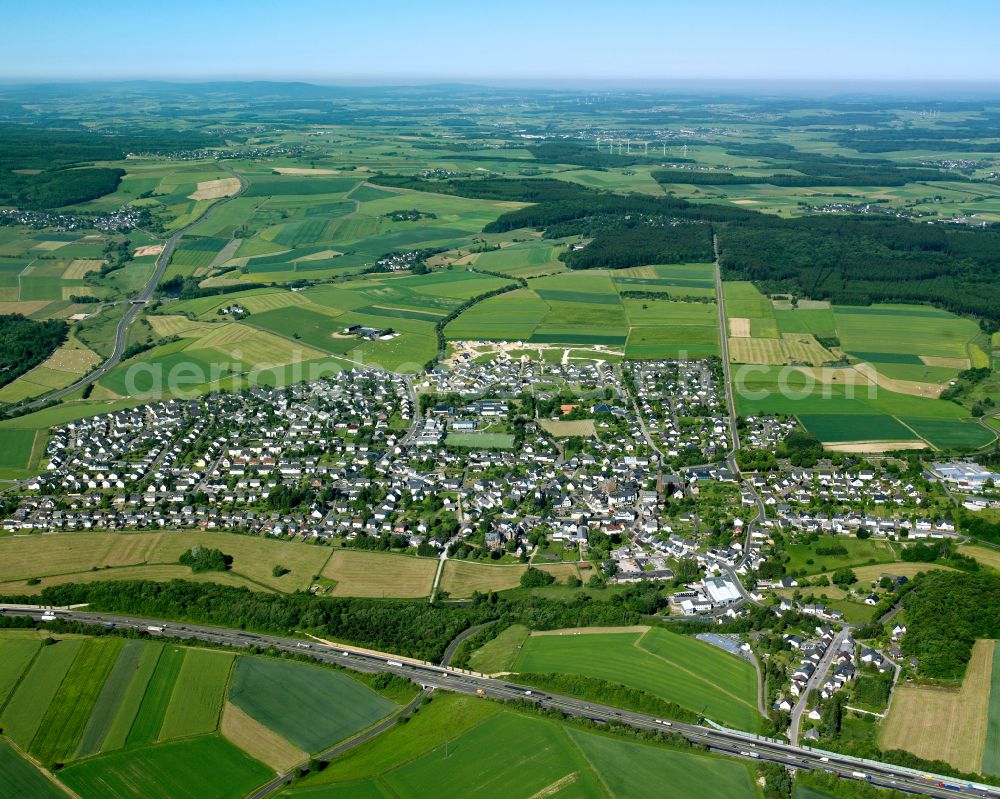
x,y
618,468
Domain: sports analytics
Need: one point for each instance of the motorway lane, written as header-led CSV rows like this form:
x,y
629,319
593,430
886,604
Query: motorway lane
x,y
136,303
430,676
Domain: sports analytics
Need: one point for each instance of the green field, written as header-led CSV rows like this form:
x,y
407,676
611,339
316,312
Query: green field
x,y
23,713
198,695
676,668
311,707
63,724
860,552
110,699
205,766
651,768
20,780
444,744
131,682
856,427
949,433
483,440
156,699
501,653
15,656
991,751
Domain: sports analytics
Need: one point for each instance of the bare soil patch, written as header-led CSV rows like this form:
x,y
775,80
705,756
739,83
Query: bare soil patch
x,y
214,189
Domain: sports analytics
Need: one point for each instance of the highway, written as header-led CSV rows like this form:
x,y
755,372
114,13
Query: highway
x,y
433,676
136,303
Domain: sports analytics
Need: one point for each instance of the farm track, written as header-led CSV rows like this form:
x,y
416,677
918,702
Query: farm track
x,y
136,303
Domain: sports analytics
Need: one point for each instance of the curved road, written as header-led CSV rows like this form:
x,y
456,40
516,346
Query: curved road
x,y
136,303
431,676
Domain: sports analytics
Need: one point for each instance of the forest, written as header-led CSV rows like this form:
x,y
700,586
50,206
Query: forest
x,y
946,613
57,188
413,628
25,343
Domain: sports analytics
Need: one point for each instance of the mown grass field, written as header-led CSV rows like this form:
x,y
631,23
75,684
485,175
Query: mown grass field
x,y
194,767
24,557
19,779
379,574
308,706
859,553
501,653
156,700
946,724
691,673
461,578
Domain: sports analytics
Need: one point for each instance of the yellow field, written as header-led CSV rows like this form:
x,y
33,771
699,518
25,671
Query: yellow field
x,y
988,557
51,245
153,573
461,578
258,741
148,249
900,569
255,347
176,325
951,363
941,723
80,268
23,557
257,303
790,348
26,307
379,574
580,427
214,189
77,361
739,327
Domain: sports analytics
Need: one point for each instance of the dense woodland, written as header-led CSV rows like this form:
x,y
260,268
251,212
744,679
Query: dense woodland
x,y
414,628
946,613
25,343
844,259
55,151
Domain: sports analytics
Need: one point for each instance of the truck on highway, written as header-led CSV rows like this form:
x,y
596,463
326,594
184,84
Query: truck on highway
x,y
48,616
860,775
395,663
154,628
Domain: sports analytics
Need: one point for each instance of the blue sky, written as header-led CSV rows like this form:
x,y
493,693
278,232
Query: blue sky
x,y
514,41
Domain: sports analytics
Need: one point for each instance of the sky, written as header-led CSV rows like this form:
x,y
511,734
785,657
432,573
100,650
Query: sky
x,y
514,42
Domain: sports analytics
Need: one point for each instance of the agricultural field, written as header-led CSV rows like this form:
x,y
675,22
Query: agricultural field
x,y
379,574
500,654
588,307
443,744
309,706
106,706
676,668
108,556
949,724
19,778
462,578
863,379
206,765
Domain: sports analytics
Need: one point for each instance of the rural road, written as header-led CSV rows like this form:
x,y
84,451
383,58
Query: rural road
x,y
430,676
814,682
136,303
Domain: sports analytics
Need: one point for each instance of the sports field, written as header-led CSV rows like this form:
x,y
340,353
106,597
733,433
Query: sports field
x,y
461,578
308,706
947,724
379,574
676,668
